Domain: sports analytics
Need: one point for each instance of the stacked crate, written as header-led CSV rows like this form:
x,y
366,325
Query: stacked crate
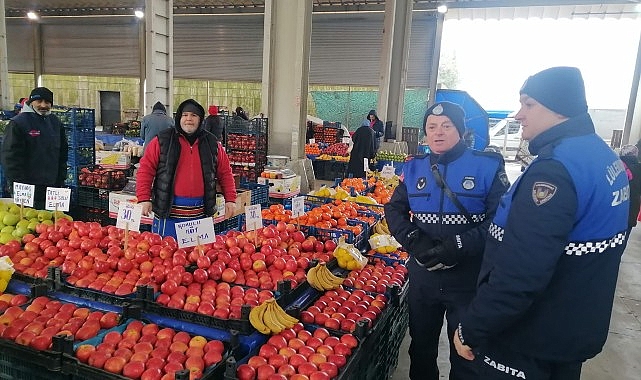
x,y
246,145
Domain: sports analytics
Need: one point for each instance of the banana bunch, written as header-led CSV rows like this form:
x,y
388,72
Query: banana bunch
x,y
381,227
111,159
270,318
363,199
321,278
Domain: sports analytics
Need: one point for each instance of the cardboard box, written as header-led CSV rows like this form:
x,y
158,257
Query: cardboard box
x,y
243,198
282,188
112,159
116,197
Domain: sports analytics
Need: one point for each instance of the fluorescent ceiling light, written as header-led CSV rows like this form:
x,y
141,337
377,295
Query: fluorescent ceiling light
x,y
32,15
442,8
139,13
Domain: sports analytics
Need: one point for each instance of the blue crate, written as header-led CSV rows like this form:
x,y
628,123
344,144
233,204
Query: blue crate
x,y
232,223
75,117
260,193
81,136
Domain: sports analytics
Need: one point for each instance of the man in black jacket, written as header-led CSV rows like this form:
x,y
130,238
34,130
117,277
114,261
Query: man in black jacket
x,y
35,146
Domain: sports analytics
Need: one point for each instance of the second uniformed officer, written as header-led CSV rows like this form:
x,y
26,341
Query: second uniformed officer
x,y
440,213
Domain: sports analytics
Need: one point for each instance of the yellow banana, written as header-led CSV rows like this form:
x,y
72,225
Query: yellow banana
x,y
256,318
284,318
324,279
312,278
328,278
271,321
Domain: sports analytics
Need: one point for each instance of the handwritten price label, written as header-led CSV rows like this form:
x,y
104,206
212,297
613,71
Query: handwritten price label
x,y
58,199
129,216
298,206
195,232
253,218
23,194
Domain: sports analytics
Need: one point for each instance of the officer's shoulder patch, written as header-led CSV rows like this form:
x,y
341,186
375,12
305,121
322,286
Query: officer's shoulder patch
x,y
542,192
504,179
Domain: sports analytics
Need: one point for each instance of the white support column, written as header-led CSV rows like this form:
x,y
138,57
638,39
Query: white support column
x,y
5,102
37,54
632,126
394,57
287,40
157,55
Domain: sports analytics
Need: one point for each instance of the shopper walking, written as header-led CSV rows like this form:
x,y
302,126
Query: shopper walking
x,y
179,171
379,129
362,147
551,261
154,123
440,213
35,146
629,155
213,123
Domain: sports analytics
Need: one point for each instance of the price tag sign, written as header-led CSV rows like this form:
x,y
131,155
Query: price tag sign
x,y
312,141
58,199
129,216
23,194
195,232
298,206
365,164
253,218
388,171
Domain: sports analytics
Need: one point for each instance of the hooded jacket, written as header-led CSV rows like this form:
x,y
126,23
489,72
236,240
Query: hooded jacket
x,y
35,149
378,127
174,166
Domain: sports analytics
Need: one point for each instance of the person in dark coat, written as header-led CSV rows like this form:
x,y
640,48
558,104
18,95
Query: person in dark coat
x,y
154,123
629,155
240,112
377,126
363,147
213,123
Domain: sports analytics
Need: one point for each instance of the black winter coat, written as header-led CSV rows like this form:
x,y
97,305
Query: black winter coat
x,y
363,148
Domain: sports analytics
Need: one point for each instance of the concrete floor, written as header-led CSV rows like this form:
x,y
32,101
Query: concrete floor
x,y
621,355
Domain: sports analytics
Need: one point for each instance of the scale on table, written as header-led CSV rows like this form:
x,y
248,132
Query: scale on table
x,y
279,173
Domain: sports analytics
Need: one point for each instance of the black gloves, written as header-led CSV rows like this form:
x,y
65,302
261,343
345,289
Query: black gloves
x,y
443,256
418,243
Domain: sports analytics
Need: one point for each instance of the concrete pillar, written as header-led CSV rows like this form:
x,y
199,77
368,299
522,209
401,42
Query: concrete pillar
x,y
287,40
394,57
433,69
5,102
37,54
157,56
632,126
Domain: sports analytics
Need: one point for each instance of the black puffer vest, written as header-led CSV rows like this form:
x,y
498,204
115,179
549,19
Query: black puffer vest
x,y
163,188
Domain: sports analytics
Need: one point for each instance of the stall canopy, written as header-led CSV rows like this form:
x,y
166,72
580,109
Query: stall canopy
x,y
476,119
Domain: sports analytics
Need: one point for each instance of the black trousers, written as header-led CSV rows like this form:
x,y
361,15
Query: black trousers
x,y
497,362
428,303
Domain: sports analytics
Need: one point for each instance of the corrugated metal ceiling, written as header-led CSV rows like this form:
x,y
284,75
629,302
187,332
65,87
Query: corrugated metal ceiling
x,y
484,9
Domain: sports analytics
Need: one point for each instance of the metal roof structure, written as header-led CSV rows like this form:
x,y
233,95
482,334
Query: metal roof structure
x,y
483,9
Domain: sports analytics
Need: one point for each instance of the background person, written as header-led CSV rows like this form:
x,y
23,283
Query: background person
x,y
629,155
552,257
362,147
35,146
214,124
240,112
155,122
377,126
179,171
445,239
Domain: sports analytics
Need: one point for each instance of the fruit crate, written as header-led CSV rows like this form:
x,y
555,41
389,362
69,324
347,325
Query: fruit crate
x,y
256,126
102,178
329,170
82,136
375,208
93,198
81,156
81,371
232,223
75,117
259,193
20,362
91,214
329,134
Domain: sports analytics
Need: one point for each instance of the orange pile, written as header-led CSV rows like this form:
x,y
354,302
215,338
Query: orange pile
x,y
381,193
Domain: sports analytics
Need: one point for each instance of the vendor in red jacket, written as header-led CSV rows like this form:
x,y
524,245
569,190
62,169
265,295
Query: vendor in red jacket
x,y
179,171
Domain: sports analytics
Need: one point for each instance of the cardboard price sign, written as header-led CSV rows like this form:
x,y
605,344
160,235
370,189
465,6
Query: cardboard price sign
x,y
365,164
195,232
253,218
298,206
23,194
129,215
388,171
58,199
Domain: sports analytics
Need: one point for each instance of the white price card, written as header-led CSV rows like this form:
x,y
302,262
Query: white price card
x,y
58,199
312,141
253,218
195,232
365,164
23,194
388,171
298,206
129,216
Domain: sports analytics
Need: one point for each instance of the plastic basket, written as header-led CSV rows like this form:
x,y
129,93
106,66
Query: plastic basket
x,y
75,117
232,223
83,136
102,178
93,197
20,363
260,193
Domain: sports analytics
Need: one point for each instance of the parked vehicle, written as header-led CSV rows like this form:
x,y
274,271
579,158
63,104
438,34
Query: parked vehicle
x,y
505,136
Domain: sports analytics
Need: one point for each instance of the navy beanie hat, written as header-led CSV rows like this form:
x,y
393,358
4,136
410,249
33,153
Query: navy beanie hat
x,y
452,110
159,106
559,89
41,93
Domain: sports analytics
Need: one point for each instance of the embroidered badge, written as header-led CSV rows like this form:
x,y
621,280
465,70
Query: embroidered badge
x,y
420,184
542,192
437,110
504,180
34,133
468,183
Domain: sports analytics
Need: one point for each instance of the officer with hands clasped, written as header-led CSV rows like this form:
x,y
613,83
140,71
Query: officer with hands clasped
x,y
552,257
440,213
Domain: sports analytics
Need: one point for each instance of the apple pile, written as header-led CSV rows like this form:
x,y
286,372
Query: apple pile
x,y
99,177
377,277
260,258
149,352
246,142
7,300
44,317
337,149
298,354
220,300
341,309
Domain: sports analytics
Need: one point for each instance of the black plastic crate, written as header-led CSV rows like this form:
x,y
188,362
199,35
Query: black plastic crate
x,y
103,178
223,226
93,197
92,214
20,363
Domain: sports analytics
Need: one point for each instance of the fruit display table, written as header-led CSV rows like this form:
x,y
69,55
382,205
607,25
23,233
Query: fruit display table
x,y
89,301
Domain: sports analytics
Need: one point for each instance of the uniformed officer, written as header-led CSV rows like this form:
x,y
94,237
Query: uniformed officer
x,y
552,257
440,213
